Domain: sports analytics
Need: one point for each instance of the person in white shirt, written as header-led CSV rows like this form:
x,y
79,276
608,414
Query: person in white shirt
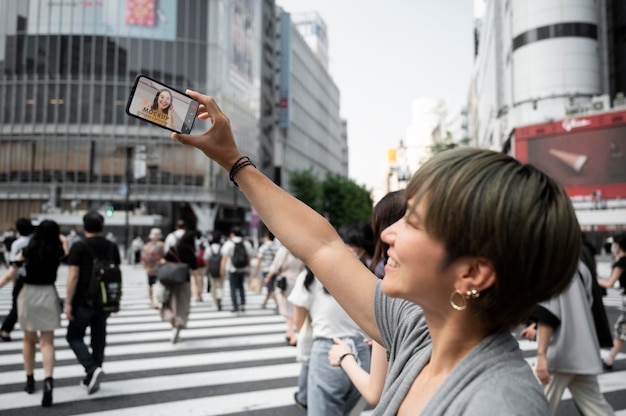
x,y
329,389
236,275
173,237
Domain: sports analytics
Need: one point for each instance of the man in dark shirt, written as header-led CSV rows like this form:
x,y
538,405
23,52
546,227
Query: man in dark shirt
x,y
77,308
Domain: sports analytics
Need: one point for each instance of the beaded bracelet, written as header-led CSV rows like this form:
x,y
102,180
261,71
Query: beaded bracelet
x,y
242,162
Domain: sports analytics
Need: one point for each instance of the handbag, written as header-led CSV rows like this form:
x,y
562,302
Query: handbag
x,y
281,283
162,293
255,285
171,273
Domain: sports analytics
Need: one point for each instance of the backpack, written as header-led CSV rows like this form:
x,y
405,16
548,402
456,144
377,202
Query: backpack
x,y
240,256
215,261
105,287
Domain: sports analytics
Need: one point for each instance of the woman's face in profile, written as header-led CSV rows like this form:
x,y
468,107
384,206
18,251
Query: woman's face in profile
x,y
165,99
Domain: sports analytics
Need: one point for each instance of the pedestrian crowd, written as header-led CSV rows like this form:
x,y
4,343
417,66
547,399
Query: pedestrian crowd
x,y
343,368
412,311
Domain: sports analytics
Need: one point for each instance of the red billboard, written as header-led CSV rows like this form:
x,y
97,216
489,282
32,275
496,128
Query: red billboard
x,y
585,154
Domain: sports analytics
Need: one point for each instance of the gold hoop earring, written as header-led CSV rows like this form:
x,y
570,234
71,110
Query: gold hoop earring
x,y
454,304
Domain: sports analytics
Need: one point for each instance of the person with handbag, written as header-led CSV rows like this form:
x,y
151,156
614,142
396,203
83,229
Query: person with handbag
x,y
285,268
175,309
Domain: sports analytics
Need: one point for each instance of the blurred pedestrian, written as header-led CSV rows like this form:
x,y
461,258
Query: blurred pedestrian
x,y
134,252
14,273
568,351
359,237
173,237
72,237
388,210
214,271
329,389
151,256
265,256
175,309
39,308
285,267
618,273
197,276
234,269
78,308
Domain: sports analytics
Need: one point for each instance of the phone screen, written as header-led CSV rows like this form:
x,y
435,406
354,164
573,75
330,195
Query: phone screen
x,y
161,105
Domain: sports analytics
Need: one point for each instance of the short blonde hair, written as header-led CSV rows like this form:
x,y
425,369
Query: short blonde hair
x,y
487,204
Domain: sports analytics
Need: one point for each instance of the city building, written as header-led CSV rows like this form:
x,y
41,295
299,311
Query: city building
x,y
552,75
309,122
67,144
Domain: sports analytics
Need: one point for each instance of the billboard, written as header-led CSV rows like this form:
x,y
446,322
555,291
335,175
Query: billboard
x,y
587,155
150,19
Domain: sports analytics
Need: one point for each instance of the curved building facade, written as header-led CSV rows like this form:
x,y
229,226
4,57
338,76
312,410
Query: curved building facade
x,y
554,51
543,60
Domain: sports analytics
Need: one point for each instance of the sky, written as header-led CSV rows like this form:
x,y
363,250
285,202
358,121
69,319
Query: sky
x,y
385,54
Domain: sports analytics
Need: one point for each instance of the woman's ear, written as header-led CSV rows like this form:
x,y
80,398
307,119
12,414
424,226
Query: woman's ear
x,y
479,275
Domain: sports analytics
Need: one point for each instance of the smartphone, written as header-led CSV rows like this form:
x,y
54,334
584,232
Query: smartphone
x,y
161,105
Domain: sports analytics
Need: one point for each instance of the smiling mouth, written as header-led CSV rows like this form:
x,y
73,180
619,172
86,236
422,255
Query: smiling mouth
x,y
391,262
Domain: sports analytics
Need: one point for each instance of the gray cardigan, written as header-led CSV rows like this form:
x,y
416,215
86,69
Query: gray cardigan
x,y
493,379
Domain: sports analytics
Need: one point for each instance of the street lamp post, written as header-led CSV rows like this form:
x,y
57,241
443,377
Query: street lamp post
x,y
128,176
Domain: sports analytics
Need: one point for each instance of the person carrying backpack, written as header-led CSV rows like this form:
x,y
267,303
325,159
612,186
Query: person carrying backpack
x,y
213,260
81,308
265,256
236,254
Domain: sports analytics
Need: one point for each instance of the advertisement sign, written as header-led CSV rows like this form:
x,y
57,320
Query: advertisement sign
x,y
150,19
587,154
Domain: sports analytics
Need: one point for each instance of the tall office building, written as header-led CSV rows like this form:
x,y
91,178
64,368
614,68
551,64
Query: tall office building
x,y
66,143
309,122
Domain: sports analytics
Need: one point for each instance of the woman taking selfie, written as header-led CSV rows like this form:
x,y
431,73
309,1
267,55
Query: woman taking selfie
x,y
484,238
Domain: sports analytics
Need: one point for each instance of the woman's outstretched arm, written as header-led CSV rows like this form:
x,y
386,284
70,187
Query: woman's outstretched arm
x,y
299,228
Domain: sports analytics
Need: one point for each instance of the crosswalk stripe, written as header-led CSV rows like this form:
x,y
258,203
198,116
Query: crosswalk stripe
x,y
156,384
147,375
222,405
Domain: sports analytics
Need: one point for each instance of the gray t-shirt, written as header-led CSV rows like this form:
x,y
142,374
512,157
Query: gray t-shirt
x,y
493,379
574,346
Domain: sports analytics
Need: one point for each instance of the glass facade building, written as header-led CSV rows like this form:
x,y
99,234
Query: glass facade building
x,y
67,144
66,69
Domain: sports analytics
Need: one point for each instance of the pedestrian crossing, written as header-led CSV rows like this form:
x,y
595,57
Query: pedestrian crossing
x,y
225,364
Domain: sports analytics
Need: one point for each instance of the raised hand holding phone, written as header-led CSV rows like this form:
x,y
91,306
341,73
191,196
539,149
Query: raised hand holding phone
x,y
161,105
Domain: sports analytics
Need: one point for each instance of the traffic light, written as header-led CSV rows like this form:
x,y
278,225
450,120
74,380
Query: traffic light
x,y
108,210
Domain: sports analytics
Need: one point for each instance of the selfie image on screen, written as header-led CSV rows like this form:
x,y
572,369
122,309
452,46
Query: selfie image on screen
x,y
163,106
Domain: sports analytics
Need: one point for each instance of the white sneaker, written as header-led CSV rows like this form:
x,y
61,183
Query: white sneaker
x,y
94,383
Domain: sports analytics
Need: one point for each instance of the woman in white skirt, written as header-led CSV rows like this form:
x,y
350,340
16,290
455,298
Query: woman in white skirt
x,y
38,306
